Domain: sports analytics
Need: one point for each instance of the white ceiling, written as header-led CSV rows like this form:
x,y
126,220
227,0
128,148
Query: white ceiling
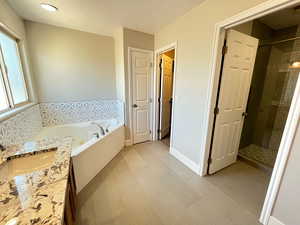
x,y
104,16
282,19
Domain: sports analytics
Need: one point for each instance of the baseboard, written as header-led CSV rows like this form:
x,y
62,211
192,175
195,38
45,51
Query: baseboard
x,y
128,142
186,161
274,221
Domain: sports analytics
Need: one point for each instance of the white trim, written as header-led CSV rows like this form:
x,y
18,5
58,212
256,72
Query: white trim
x,y
186,161
219,36
282,156
274,221
129,102
156,94
15,111
25,66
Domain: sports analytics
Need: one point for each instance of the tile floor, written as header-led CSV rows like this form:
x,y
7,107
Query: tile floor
x,y
257,153
145,185
166,140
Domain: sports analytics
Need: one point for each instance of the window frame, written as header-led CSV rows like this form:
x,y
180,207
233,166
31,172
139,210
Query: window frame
x,y
5,77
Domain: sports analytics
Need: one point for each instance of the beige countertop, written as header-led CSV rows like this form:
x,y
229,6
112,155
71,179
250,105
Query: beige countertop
x,y
36,197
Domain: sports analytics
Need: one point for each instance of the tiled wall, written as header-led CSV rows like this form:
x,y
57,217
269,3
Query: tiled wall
x,y
277,85
29,123
21,127
75,112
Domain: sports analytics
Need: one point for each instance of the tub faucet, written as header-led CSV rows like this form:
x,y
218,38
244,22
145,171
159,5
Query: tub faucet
x,y
96,135
100,127
2,148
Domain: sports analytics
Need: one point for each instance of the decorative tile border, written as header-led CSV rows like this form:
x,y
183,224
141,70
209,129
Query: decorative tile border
x,y
21,127
75,112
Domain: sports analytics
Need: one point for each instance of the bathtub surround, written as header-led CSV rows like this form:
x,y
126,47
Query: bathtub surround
x,y
91,157
27,124
71,65
83,111
21,127
37,197
90,153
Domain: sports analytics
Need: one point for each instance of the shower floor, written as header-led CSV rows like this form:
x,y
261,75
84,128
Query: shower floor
x,y
259,154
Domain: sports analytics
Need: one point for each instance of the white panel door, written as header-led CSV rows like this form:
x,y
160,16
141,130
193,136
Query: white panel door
x,y
166,95
233,95
141,78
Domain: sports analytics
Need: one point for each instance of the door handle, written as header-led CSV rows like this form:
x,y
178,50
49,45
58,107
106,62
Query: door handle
x,y
134,105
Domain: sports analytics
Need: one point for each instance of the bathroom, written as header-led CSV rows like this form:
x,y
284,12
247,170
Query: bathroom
x,y
56,84
97,126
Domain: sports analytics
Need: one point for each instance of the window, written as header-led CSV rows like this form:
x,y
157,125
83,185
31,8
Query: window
x,y
13,90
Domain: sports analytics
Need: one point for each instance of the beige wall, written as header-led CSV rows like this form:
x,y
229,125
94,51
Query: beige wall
x,y
245,28
194,35
134,39
288,204
11,19
71,65
119,63
14,23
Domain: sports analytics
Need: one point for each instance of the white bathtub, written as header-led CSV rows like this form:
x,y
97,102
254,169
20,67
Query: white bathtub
x,y
91,150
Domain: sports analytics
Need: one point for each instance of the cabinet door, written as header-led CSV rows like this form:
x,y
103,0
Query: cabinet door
x,y
68,214
70,200
72,185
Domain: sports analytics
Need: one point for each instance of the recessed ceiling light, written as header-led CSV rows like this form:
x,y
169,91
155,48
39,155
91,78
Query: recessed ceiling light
x,y
49,7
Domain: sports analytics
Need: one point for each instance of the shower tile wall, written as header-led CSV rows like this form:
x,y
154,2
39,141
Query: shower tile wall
x,y
272,91
262,32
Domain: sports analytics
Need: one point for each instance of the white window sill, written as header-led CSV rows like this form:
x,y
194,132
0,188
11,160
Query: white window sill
x,y
13,112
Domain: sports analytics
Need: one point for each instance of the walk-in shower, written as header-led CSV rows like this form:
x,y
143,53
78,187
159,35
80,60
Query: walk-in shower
x,y
274,79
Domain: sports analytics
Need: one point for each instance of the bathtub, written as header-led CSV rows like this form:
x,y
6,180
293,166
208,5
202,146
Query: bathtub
x,y
92,149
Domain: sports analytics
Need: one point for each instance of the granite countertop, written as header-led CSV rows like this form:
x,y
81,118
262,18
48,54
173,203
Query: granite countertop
x,y
37,197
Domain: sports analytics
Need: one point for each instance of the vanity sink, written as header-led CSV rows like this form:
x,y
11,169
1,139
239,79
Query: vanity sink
x,y
28,163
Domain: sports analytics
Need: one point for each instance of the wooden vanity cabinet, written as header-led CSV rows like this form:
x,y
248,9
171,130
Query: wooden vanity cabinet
x,y
70,200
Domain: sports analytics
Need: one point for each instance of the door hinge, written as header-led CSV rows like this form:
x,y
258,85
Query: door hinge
x,y
160,64
209,161
159,131
158,99
216,110
224,49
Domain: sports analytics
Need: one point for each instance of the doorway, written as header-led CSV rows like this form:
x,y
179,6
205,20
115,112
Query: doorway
x,y
164,88
165,99
252,127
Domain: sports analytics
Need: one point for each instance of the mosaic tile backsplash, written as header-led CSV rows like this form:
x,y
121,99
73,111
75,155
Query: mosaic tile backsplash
x,y
29,123
83,111
21,127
